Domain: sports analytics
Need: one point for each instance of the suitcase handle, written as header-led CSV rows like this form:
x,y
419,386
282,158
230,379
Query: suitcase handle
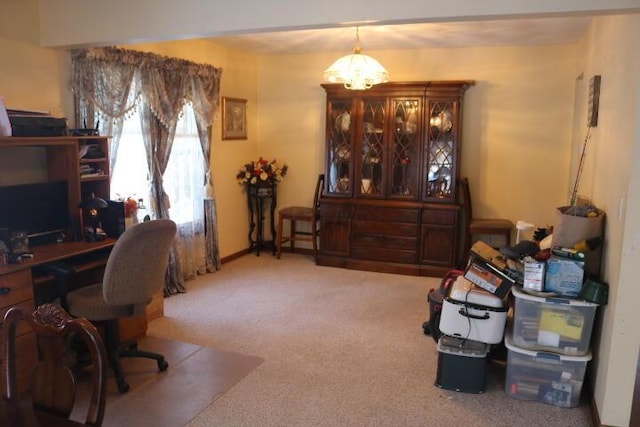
x,y
464,312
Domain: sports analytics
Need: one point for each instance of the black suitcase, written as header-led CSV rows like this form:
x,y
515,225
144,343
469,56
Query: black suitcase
x,y
435,297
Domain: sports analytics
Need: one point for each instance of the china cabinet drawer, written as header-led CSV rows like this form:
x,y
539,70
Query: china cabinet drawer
x,y
383,254
438,217
386,242
384,228
335,211
386,214
17,286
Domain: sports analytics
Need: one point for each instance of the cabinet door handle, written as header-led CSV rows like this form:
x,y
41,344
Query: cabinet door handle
x,y
4,290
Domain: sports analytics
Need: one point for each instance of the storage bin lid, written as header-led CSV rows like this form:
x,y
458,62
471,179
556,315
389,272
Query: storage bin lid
x,y
463,290
519,293
462,347
508,341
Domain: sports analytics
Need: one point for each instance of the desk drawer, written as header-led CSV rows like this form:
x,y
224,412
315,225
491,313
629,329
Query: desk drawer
x,y
20,288
23,327
26,347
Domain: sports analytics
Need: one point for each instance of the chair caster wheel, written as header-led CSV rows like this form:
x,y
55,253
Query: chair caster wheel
x,y
123,387
162,365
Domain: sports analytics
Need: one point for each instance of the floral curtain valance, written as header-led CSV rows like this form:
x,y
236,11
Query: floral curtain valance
x,y
112,80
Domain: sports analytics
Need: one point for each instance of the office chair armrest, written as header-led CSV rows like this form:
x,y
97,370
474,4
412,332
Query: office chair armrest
x,y
61,272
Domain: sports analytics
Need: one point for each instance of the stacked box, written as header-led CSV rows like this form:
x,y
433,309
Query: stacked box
x,y
547,377
558,325
485,268
564,276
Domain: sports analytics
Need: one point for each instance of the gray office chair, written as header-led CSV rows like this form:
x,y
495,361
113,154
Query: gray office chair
x,y
135,271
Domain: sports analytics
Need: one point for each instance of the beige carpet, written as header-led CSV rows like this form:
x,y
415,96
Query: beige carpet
x,y
340,348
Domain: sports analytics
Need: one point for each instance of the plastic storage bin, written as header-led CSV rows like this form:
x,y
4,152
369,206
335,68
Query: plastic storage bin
x,y
547,377
462,365
557,325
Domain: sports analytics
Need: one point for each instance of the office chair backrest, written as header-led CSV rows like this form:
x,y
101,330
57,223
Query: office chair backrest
x,y
53,387
137,264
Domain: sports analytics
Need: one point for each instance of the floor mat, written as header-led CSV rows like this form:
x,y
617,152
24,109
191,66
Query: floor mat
x,y
196,377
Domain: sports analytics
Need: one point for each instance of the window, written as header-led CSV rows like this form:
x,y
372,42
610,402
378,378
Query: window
x,y
183,178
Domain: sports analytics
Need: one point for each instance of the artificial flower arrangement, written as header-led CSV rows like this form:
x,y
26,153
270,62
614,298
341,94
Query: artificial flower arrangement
x,y
261,171
130,205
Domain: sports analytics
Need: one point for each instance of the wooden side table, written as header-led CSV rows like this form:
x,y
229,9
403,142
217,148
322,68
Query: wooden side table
x,y
262,203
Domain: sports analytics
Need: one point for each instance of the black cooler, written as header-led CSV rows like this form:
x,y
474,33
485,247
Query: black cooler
x,y
462,365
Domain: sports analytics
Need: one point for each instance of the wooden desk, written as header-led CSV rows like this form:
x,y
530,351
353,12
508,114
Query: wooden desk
x,y
56,252
22,414
17,284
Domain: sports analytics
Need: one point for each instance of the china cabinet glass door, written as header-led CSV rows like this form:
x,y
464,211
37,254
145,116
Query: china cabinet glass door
x,y
372,148
340,148
405,148
440,150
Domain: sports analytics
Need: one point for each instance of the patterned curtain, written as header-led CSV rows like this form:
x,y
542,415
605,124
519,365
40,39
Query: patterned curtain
x,y
158,140
110,81
205,101
105,91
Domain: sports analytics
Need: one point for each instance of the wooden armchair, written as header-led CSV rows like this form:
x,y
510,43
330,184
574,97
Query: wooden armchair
x,y
53,387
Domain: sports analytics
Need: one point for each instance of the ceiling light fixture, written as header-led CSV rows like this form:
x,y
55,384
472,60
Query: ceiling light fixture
x,y
356,71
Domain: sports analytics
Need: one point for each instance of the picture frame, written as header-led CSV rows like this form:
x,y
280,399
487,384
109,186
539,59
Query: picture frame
x,y
234,118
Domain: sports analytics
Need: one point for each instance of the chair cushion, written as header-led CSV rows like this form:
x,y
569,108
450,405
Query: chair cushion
x,y
89,303
297,213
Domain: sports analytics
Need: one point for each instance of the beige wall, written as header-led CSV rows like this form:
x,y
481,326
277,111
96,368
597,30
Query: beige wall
x,y
613,183
30,78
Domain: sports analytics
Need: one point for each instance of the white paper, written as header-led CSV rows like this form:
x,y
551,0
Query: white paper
x,y
548,339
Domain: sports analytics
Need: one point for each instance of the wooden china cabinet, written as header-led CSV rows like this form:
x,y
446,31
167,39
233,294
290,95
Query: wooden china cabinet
x,y
392,163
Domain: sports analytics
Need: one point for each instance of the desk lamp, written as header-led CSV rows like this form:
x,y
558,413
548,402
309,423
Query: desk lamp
x,y
91,206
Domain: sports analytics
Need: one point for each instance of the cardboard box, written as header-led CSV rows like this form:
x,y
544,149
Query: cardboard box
x,y
489,254
485,269
534,272
564,276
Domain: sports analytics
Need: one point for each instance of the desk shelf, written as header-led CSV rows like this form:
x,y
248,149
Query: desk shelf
x,y
63,164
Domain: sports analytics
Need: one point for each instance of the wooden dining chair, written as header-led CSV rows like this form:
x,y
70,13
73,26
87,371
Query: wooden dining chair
x,y
53,385
295,214
481,226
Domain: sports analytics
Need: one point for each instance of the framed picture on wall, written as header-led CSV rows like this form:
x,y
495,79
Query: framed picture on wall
x,y
234,118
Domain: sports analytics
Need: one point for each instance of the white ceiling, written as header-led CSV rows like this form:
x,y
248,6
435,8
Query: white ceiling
x,y
417,35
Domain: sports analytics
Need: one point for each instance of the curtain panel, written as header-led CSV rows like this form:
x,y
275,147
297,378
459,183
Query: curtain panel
x,y
109,83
